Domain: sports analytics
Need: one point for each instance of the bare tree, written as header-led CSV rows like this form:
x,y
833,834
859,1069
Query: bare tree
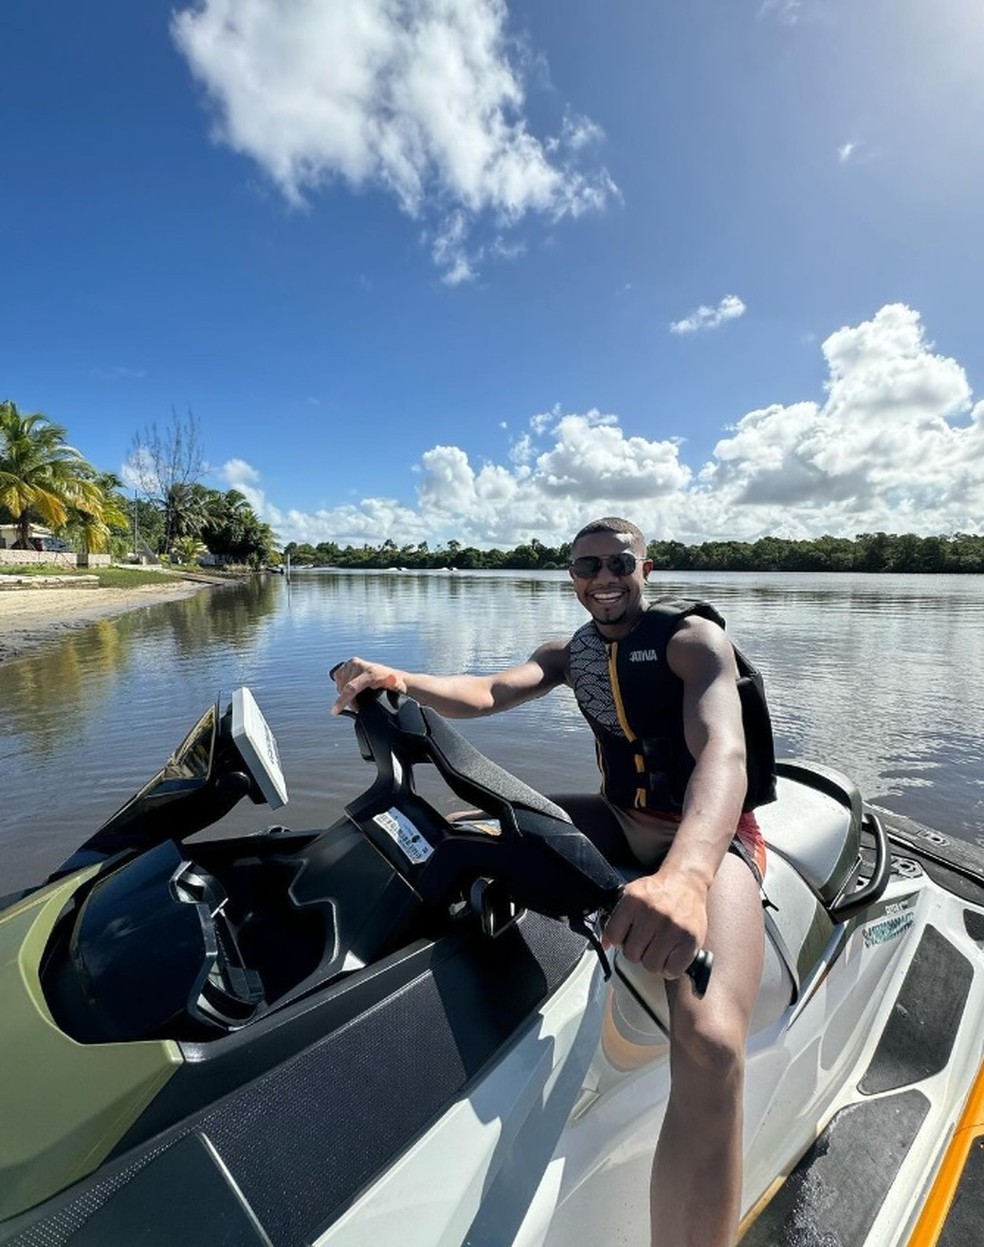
x,y
165,465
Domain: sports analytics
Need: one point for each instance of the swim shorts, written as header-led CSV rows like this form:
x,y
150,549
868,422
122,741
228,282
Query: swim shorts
x,y
649,836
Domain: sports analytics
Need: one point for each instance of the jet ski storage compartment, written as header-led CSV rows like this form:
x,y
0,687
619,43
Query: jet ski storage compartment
x,y
149,950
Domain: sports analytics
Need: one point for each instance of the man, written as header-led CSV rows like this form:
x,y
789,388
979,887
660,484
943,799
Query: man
x,y
680,807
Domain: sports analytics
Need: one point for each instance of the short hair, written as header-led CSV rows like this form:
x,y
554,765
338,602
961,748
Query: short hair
x,y
614,524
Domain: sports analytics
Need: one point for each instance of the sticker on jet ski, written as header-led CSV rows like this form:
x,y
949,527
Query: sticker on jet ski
x,y
898,919
404,835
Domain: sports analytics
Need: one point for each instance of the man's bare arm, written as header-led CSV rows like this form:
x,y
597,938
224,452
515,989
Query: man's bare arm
x,y
458,696
661,920
704,659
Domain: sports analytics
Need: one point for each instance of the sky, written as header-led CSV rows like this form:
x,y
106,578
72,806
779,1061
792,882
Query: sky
x,y
483,270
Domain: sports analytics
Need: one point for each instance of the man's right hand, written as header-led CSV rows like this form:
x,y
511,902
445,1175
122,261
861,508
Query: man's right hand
x,y
356,675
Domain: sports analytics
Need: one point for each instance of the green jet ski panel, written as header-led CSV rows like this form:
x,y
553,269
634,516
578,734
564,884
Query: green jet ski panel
x,y
63,1105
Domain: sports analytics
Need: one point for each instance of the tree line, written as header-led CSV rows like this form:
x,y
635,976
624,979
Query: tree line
x,y
867,552
46,482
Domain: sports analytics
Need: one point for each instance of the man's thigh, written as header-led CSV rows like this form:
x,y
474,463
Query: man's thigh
x,y
736,936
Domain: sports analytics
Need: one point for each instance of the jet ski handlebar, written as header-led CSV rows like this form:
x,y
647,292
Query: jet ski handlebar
x,y
535,857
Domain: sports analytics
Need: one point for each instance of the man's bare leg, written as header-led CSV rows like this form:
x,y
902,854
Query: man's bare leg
x,y
696,1180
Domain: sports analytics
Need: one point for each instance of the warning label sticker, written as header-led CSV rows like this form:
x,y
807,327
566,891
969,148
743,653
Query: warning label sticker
x,y
403,834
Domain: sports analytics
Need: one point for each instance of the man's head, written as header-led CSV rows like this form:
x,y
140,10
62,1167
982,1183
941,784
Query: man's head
x,y
609,567
625,529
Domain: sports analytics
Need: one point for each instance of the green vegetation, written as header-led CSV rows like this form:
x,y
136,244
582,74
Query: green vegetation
x,y
109,577
44,481
877,552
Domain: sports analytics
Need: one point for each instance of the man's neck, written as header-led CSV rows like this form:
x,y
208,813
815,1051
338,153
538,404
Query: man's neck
x,y
621,628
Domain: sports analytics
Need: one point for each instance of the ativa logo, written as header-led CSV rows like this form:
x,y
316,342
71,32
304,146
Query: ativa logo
x,y
644,655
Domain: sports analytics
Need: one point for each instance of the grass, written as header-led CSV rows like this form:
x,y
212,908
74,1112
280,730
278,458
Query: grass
x,y
109,577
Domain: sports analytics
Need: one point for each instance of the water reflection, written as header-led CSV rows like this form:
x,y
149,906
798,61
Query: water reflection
x,y
229,616
44,699
48,696
882,677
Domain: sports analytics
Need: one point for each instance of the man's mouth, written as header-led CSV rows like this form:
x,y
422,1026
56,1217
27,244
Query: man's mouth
x,y
607,597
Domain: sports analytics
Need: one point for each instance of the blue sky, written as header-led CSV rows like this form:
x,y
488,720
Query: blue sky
x,y
463,268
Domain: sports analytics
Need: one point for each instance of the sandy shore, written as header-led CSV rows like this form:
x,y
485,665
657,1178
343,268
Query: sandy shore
x,y
31,618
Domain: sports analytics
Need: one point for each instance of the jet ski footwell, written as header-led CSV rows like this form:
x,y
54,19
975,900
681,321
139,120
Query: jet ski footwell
x,y
861,1176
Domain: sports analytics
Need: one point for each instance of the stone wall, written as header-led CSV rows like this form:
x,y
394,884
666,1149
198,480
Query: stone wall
x,y
52,558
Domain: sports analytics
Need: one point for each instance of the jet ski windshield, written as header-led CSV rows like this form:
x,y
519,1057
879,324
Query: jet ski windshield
x,y
225,757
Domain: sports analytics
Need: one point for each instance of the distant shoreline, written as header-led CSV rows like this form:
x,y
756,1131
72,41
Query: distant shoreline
x,y
32,618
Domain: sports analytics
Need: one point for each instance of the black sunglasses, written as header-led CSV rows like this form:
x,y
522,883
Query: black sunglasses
x,y
589,565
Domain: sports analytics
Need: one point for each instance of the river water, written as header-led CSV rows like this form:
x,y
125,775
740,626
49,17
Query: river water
x,y
881,677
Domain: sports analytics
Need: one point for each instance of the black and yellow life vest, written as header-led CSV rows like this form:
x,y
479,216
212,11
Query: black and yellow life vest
x,y
634,705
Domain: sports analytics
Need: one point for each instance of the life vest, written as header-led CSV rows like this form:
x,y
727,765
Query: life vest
x,y
634,705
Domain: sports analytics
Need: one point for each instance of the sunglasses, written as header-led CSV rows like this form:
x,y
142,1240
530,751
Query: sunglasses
x,y
589,565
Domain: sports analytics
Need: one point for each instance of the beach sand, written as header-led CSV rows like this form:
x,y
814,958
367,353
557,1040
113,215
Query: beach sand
x,y
31,618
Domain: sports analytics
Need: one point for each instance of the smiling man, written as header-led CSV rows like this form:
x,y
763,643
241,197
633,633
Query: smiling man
x,y
658,685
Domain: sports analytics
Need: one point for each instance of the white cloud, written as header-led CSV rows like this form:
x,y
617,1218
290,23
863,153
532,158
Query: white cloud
x,y
845,152
522,450
240,475
237,473
787,11
706,317
137,472
895,444
420,98
593,460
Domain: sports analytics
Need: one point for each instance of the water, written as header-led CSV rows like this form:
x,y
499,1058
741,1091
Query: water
x,y
879,676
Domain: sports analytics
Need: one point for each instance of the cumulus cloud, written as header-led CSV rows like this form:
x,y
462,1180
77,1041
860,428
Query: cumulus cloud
x,y
593,460
845,152
895,443
423,99
237,473
706,317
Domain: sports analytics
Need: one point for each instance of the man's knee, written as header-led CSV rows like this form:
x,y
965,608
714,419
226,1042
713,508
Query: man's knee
x,y
710,1046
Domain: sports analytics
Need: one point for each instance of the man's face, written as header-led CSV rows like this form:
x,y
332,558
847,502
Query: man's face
x,y
614,601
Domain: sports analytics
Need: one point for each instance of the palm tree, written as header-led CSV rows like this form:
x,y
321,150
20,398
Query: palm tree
x,y
185,512
189,549
233,531
90,527
41,477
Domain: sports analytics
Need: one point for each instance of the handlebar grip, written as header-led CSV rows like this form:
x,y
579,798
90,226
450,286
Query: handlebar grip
x,y
699,972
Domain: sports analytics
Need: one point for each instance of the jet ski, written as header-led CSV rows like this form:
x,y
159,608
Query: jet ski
x,y
403,1027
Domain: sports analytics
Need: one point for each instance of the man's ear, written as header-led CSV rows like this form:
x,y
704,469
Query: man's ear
x,y
647,567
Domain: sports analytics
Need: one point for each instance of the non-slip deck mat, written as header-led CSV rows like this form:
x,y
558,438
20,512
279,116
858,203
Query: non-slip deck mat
x,y
964,1225
974,922
834,1194
919,1034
